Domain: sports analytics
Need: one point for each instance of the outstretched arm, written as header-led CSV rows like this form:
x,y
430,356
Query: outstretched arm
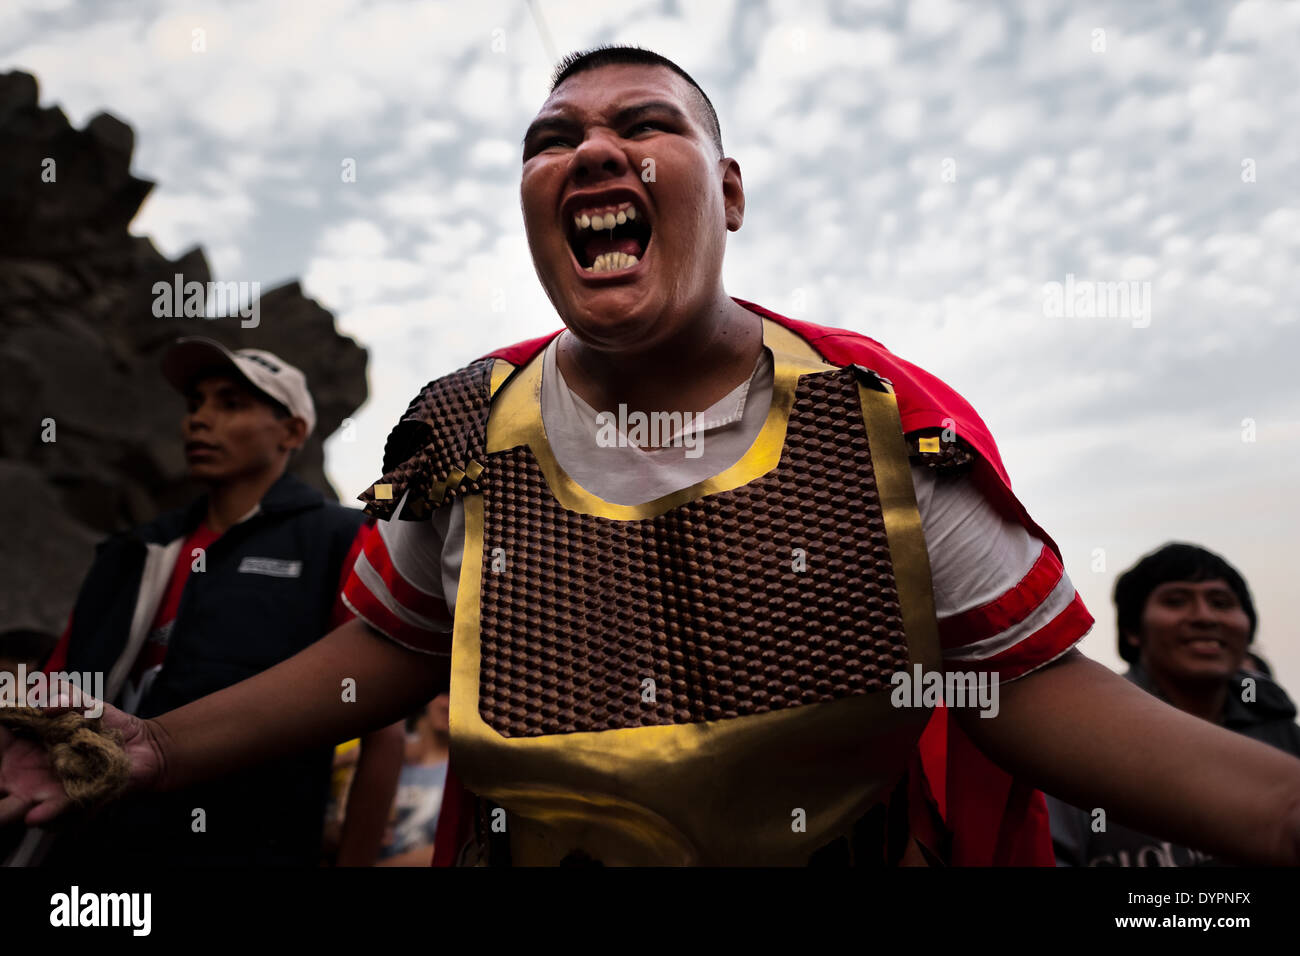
x,y
299,704
1080,731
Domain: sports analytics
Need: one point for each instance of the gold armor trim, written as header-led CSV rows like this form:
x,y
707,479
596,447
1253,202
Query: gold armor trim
x,y
501,370
768,788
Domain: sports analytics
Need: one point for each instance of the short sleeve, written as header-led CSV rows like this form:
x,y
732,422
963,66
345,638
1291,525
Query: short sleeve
x,y
1003,600
398,587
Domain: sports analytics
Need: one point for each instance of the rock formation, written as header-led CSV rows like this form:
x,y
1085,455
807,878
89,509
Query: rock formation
x,y
79,352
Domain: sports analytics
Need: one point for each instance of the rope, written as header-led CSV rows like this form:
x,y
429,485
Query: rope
x,y
87,757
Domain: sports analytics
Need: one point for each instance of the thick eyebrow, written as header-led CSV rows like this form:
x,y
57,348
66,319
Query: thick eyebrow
x,y
621,118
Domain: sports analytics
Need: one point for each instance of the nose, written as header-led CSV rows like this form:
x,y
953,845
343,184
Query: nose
x,y
598,157
1202,613
196,420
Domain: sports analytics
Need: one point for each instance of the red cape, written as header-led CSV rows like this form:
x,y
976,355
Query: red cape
x,y
993,819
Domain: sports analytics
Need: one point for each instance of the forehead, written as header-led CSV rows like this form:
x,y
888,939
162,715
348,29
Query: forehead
x,y
1215,584
206,382
603,90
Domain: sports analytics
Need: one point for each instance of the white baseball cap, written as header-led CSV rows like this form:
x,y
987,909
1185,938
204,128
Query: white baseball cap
x,y
264,371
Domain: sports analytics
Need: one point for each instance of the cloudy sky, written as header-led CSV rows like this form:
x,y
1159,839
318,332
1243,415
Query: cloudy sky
x,y
922,172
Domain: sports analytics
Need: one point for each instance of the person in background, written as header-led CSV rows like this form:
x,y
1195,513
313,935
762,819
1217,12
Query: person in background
x,y
409,840
207,596
1185,622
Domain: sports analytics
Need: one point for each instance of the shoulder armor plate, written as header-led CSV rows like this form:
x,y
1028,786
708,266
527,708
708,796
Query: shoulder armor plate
x,y
436,451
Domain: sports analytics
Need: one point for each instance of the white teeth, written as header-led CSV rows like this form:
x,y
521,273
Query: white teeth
x,y
606,220
612,262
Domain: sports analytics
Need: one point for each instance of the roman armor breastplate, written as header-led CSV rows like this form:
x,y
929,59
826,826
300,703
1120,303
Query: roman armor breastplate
x,y
700,679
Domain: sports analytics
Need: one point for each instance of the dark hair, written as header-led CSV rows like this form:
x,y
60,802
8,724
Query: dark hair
x,y
1175,561
616,54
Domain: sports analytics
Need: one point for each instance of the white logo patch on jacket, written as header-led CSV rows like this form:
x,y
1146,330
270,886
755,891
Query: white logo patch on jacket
x,y
272,567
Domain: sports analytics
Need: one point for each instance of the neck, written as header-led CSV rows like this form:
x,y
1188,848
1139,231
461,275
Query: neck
x,y
433,746
229,501
1201,699
714,352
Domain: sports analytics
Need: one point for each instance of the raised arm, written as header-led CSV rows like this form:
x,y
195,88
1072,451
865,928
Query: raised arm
x,y
1079,731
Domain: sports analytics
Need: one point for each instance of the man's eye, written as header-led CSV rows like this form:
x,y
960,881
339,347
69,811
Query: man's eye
x,y
552,141
646,124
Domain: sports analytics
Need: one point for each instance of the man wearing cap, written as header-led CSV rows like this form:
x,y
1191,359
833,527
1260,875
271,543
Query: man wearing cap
x,y
202,598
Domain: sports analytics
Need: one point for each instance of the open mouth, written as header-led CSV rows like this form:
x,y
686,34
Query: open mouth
x,y
607,236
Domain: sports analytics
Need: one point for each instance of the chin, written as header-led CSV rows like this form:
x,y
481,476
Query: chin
x,y
205,473
1205,671
610,317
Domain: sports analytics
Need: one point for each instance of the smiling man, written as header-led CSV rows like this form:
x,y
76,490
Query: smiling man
x,y
1185,620
660,658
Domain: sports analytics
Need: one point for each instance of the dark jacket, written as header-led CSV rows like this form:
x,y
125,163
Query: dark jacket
x,y
1270,718
267,591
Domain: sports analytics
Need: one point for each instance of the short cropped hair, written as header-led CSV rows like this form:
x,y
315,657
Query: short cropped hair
x,y
1175,561
616,54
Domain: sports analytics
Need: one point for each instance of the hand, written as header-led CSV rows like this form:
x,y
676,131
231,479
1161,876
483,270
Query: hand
x,y
31,791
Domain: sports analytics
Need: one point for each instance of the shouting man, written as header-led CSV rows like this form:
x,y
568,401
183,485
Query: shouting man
x,y
685,645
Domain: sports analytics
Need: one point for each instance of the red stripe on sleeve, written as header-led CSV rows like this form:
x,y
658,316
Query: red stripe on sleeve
x,y
371,610
407,594
1047,643
988,620
341,613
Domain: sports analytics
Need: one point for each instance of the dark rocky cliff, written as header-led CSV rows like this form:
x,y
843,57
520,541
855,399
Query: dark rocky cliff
x,y
80,345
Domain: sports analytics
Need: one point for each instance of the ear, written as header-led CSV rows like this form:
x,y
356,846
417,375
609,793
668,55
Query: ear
x,y
295,433
1132,640
733,194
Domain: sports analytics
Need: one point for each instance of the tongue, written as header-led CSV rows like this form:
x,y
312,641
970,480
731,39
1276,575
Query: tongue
x,y
599,245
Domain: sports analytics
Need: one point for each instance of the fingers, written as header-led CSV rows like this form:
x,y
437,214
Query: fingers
x,y
13,809
75,700
48,809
